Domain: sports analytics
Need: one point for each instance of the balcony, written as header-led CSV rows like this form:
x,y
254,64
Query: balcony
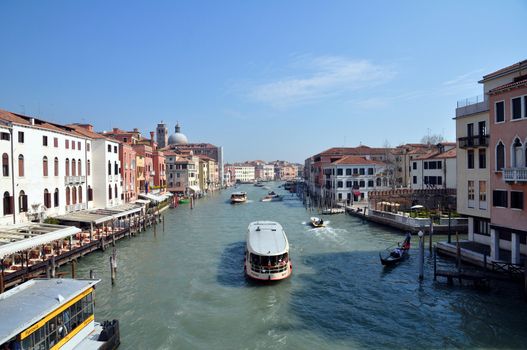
x,y
515,174
474,141
472,105
74,180
76,207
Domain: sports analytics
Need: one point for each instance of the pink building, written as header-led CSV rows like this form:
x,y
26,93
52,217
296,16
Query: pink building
x,y
507,93
127,158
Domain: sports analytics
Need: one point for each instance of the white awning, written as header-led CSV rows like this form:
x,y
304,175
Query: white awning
x,y
194,188
153,197
142,201
39,234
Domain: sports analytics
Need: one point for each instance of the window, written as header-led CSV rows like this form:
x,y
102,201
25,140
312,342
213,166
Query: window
x,y
109,168
45,166
67,144
115,168
47,198
20,137
44,140
55,142
73,168
348,184
439,164
500,156
517,154
88,147
361,183
481,227
114,149
470,129
370,171
483,191
109,192
115,191
355,171
516,200
361,171
110,148
79,145
80,194
67,196
56,198
72,147
90,194
425,165
79,165
482,154
348,171
20,165
414,165
339,184
22,202
500,112
440,180
414,179
370,183
56,167
88,168
499,198
8,204
4,136
482,128
470,159
470,190
516,105
73,195
339,172
67,167
5,164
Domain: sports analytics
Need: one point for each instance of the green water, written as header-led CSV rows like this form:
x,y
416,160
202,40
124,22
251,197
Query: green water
x,y
185,288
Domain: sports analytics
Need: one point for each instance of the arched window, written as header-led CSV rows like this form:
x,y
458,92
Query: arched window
x,y
8,204
90,194
45,166
109,168
22,202
67,196
517,154
79,167
109,191
5,165
67,167
56,167
115,168
378,182
80,194
21,165
47,198
115,193
73,167
88,168
500,156
56,198
73,195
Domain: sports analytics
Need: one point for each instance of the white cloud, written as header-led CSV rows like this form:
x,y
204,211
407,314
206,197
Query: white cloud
x,y
321,77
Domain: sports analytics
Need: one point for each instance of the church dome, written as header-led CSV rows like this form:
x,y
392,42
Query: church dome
x,y
178,138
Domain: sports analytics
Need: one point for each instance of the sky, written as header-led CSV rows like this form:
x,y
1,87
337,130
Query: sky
x,y
264,79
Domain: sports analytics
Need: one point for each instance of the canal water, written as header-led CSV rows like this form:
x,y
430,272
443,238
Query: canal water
x,y
185,288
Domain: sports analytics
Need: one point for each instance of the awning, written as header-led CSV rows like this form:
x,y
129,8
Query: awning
x,y
142,201
16,239
153,197
98,216
357,193
194,188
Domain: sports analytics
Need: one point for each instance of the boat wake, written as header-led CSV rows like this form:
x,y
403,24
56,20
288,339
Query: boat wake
x,y
330,234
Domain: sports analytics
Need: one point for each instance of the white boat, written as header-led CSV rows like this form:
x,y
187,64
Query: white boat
x,y
238,197
330,211
267,252
54,314
272,197
317,222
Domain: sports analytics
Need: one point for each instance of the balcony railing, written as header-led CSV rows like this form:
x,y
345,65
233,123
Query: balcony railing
x,y
474,141
472,105
70,180
515,174
76,207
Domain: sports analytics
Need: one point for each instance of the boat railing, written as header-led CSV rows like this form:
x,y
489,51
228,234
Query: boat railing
x,y
269,269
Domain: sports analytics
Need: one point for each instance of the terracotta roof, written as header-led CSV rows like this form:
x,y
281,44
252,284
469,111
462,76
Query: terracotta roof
x,y
38,123
83,131
508,86
360,150
516,65
355,160
451,153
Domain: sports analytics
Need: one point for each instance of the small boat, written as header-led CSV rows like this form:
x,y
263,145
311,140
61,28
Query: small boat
x,y
317,222
331,211
184,201
267,252
397,254
238,197
272,197
258,184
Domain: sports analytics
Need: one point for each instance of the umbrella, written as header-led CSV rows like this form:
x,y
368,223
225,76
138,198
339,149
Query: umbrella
x,y
418,206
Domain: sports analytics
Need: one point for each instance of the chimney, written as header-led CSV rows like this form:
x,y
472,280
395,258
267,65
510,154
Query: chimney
x,y
32,121
88,127
136,130
115,130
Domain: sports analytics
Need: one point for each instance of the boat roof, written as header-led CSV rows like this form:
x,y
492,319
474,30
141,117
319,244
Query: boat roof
x,y
266,238
31,301
238,193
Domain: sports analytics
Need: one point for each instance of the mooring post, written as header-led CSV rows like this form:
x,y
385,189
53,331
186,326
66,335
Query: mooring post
x,y
103,247
113,239
53,271
2,276
435,263
525,278
449,225
112,272
73,268
485,261
48,268
458,253
421,255
431,233
163,219
92,275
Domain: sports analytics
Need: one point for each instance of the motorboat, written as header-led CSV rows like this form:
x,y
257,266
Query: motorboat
x,y
317,222
267,252
238,197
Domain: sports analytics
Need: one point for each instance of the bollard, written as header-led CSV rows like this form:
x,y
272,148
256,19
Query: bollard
x,y
92,275
73,268
421,255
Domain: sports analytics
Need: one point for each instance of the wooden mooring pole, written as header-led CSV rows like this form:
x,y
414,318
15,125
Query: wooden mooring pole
x,y
92,275
421,254
73,268
431,233
525,279
113,266
163,219
53,267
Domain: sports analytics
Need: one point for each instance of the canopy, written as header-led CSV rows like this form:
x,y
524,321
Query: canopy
x,y
155,198
194,188
356,192
418,206
21,238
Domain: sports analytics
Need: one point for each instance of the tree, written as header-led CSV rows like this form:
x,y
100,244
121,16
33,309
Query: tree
x,y
432,139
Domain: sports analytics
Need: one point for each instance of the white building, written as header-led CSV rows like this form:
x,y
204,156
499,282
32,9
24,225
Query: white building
x,y
437,169
351,178
46,169
106,187
244,173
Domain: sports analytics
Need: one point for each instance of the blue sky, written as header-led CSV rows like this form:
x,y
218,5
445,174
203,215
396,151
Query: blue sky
x,y
264,79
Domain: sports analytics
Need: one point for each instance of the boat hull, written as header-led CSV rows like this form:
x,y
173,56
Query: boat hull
x,y
236,200
264,276
391,261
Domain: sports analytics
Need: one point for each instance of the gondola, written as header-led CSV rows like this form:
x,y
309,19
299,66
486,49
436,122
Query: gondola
x,y
397,254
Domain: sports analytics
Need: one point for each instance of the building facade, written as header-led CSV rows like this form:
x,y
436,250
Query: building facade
x,y
435,170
